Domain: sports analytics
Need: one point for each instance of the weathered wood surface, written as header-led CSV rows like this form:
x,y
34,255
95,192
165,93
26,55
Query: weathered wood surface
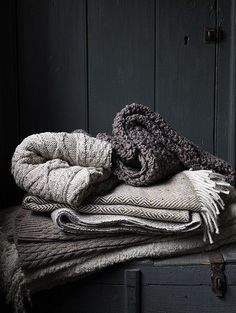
x,y
225,96
121,51
186,299
163,288
185,68
9,109
52,65
74,64
132,296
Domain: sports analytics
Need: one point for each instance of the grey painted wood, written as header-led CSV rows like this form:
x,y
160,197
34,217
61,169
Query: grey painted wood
x,y
83,297
79,62
52,65
120,58
185,68
177,275
180,275
9,111
163,289
179,299
225,82
132,291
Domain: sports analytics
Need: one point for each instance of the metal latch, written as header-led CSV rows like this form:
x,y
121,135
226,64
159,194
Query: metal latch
x,y
213,34
218,279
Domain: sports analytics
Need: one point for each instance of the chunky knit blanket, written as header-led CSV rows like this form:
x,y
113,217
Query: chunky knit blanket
x,y
34,261
146,149
183,203
63,167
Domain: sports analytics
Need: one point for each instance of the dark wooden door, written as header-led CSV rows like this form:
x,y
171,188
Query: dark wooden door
x,y
153,53
74,64
185,68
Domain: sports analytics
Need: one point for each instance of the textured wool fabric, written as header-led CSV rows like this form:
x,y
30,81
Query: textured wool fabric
x,y
92,206
39,242
185,202
12,279
41,277
40,205
62,167
74,222
146,149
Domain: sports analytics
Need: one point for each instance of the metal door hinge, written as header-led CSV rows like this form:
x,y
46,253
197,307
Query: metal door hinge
x,y
213,35
218,279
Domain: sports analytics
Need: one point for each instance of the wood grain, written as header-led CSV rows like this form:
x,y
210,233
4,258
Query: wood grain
x,y
120,58
185,69
52,65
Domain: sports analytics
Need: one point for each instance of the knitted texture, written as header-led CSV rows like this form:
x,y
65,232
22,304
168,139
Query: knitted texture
x,y
64,270
184,202
38,248
146,149
171,200
62,167
12,279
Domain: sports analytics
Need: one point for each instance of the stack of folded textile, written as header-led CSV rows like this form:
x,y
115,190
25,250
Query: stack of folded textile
x,y
91,202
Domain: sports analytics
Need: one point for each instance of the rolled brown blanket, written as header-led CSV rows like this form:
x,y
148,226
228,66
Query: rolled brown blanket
x,y
146,149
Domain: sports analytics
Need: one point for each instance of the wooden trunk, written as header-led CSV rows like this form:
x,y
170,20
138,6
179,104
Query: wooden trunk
x,y
175,285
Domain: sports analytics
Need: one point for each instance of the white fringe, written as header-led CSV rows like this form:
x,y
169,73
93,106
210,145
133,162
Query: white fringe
x,y
208,186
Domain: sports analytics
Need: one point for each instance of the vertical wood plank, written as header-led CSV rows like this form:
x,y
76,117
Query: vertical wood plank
x,y
132,291
9,112
225,83
120,58
52,65
185,69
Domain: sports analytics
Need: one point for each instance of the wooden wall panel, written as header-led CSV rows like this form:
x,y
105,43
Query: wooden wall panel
x,y
76,63
225,99
179,299
52,64
120,58
9,112
185,68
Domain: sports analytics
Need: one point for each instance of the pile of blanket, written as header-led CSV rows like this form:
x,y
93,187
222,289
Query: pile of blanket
x,y
145,191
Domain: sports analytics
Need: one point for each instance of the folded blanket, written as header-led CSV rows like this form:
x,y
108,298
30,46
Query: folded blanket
x,y
30,241
39,242
185,202
63,167
73,222
146,149
18,281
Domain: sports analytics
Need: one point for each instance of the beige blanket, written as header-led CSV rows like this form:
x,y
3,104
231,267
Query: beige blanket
x,y
62,167
185,202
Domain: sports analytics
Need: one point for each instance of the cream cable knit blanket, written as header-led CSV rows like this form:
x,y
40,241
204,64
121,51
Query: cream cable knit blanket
x,y
62,167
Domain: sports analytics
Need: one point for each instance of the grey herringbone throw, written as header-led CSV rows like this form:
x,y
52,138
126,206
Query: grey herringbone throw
x,y
146,149
183,203
63,167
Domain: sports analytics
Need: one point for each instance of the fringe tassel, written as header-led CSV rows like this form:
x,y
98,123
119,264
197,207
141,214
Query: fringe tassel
x,y
208,186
